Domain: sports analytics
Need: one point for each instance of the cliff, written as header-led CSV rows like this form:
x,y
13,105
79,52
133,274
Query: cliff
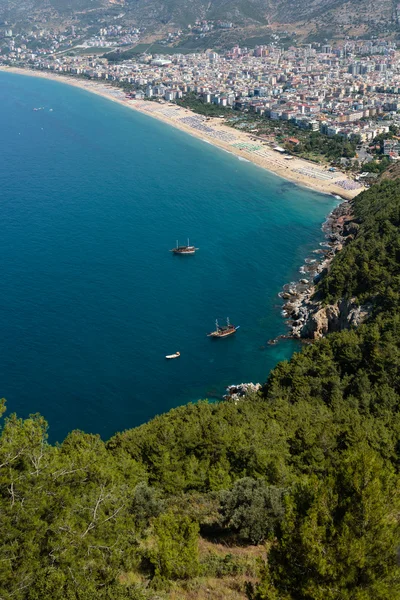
x,y
320,320
358,275
308,315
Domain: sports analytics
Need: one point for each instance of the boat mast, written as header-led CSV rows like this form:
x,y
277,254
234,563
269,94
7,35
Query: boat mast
x,y
188,243
216,325
227,322
177,244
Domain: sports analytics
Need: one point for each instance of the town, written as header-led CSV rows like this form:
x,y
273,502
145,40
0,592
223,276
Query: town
x,y
297,97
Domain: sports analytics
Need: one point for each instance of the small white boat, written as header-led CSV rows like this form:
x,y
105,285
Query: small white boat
x,y
176,355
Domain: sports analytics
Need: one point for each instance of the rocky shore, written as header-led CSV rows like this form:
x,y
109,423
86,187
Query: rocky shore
x,y
305,316
238,392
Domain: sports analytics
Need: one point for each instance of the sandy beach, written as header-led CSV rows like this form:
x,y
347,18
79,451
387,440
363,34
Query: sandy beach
x,y
213,131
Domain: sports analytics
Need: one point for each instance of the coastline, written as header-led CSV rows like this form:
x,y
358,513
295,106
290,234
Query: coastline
x,y
305,315
211,130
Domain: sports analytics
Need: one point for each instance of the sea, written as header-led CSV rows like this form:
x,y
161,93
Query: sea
x,y
93,196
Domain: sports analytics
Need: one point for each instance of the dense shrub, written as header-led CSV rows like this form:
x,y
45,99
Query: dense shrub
x,y
252,509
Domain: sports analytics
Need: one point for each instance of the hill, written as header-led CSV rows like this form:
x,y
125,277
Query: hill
x,y
319,19
392,172
291,494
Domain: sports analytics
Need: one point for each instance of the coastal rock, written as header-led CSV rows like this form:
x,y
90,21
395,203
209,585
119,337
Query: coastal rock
x,y
274,341
358,314
291,308
306,317
298,323
317,324
333,317
238,392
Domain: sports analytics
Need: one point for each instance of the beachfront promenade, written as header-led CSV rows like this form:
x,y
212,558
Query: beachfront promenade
x,y
241,143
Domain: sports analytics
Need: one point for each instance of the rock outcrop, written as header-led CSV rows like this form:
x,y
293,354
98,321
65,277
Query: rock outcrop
x,y
320,320
238,392
306,317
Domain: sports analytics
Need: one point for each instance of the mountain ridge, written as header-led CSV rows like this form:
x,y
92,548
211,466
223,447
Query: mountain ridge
x,y
318,17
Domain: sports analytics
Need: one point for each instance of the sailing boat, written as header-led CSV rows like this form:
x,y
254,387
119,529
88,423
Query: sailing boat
x,y
222,331
188,249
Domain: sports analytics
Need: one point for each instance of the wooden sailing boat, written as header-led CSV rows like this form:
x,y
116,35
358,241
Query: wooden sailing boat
x,y
188,249
222,331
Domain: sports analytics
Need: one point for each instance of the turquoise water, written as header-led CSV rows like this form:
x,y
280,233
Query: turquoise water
x,y
92,197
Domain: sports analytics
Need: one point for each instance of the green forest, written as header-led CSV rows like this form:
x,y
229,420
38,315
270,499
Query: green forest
x,y
289,494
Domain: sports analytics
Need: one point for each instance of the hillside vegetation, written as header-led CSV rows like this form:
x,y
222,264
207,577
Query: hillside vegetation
x,y
393,172
289,495
320,19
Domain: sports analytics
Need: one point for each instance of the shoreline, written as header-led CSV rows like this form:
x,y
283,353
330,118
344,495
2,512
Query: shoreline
x,y
300,306
212,131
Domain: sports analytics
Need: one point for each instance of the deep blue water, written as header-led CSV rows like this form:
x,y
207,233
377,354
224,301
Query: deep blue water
x,y
92,197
